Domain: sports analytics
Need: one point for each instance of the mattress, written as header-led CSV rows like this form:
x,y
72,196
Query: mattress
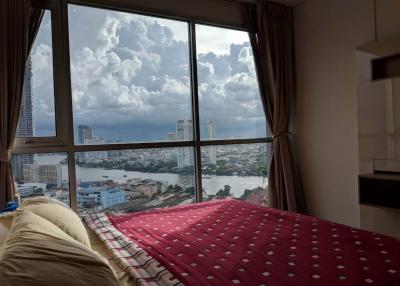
x,y
230,242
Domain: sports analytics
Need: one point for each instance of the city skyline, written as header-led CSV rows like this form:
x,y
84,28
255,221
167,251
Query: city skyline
x,y
184,132
148,177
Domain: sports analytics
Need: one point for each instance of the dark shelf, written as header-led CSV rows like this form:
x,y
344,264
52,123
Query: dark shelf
x,y
379,189
386,67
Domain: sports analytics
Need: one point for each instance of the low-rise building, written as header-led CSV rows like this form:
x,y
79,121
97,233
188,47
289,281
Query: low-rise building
x,y
100,197
30,190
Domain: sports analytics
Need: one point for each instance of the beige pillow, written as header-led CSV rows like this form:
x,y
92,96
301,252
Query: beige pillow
x,y
38,253
60,215
5,225
41,200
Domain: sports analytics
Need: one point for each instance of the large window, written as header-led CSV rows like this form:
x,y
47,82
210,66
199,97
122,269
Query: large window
x,y
155,112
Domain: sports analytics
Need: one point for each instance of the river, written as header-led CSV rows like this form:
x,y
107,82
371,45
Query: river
x,y
211,184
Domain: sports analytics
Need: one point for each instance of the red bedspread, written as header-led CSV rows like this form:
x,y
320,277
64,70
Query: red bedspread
x,y
230,242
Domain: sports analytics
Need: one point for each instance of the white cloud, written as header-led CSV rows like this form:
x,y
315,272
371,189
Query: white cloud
x,y
42,65
246,58
213,39
129,70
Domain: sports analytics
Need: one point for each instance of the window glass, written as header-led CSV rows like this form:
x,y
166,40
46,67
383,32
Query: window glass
x,y
130,77
229,99
134,180
237,171
37,115
41,175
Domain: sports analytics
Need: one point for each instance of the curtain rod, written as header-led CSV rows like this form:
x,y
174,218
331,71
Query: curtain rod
x,y
244,1
257,1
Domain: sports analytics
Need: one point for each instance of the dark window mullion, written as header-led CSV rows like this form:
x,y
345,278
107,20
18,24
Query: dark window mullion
x,y
68,112
195,110
220,142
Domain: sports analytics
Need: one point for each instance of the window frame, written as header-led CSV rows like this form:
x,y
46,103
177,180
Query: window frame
x,y
64,141
59,91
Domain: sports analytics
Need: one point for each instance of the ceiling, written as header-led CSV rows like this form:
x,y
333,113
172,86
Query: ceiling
x,y
284,2
289,2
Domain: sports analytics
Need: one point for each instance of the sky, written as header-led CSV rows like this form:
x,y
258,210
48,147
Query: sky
x,y
42,80
130,77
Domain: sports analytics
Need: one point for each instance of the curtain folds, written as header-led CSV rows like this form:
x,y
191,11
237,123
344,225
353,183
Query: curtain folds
x,y
19,23
270,28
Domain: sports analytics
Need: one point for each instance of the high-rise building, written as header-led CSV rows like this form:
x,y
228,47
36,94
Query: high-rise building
x,y
95,155
25,126
46,174
184,132
171,137
212,156
84,133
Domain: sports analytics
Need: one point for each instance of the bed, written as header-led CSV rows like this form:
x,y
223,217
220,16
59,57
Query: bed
x,y
231,242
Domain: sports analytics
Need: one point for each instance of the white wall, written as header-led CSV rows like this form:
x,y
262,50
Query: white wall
x,y
388,17
325,124
326,34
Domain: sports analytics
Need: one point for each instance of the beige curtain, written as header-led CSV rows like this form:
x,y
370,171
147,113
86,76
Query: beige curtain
x,y
271,34
19,23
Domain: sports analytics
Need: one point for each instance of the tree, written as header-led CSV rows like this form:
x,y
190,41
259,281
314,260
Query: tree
x,y
178,188
190,191
223,193
246,194
170,189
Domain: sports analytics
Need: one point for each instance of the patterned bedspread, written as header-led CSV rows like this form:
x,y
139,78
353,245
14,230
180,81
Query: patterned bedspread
x,y
230,242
